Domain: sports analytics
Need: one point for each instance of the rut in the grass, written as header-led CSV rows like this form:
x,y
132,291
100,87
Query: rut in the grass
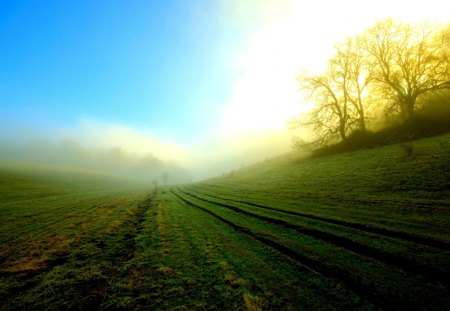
x,y
363,227
365,250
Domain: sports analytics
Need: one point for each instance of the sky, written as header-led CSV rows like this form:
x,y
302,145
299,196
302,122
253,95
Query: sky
x,y
192,81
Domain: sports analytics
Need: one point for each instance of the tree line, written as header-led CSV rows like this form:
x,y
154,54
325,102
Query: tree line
x,y
389,67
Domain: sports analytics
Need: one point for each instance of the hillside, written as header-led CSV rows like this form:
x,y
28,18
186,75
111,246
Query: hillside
x,y
364,230
380,184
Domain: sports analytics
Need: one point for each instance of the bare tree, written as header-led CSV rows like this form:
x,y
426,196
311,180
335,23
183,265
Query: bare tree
x,y
353,77
339,93
393,63
410,60
330,116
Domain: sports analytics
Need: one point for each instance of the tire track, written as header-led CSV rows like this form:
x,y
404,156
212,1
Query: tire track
x,y
365,291
351,245
371,229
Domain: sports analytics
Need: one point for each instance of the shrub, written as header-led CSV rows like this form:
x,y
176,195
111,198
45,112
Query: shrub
x,y
408,149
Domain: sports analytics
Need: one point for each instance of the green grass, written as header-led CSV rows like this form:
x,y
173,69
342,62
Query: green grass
x,y
380,186
358,231
24,181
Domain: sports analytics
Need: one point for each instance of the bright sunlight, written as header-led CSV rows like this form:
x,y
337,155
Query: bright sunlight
x,y
300,35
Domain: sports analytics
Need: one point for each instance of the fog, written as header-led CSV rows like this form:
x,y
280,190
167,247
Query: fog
x,y
125,151
115,161
222,155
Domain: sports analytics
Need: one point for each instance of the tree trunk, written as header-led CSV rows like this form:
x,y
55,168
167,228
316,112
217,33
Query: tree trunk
x,y
362,123
360,109
342,130
410,107
362,119
403,104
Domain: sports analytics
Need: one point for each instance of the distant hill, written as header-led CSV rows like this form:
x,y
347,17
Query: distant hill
x,y
115,161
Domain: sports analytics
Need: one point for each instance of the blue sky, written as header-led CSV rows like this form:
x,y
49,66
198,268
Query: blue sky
x,y
193,81
151,64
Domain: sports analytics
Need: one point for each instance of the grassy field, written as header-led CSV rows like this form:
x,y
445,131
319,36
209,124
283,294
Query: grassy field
x,y
365,230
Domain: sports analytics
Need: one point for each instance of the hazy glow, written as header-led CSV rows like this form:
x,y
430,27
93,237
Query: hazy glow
x,y
246,92
222,155
300,35
121,149
102,135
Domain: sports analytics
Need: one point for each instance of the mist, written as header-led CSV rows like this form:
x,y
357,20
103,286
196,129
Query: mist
x,y
115,161
125,151
225,154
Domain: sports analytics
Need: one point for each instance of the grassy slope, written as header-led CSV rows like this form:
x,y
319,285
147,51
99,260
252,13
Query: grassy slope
x,y
377,220
362,230
379,186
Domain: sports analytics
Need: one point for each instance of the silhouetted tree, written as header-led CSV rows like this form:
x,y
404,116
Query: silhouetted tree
x,y
410,60
353,75
339,93
392,63
330,117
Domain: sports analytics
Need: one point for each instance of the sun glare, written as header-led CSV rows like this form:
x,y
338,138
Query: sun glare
x,y
300,35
